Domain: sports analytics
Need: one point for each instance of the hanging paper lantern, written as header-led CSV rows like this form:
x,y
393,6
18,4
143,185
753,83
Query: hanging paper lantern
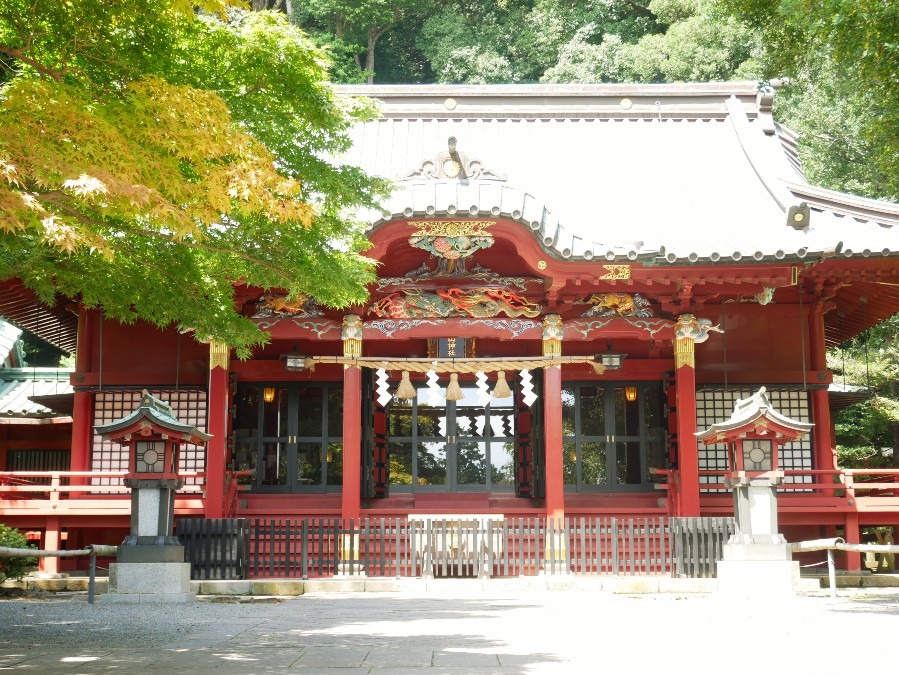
x,y
501,390
453,390
406,390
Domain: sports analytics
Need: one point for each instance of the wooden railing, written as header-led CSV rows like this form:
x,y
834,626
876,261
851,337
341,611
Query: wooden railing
x,y
233,490
809,484
49,491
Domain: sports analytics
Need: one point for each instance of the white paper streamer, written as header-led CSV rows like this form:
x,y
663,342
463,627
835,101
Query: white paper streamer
x,y
441,426
483,389
527,389
463,423
496,423
383,388
479,423
435,393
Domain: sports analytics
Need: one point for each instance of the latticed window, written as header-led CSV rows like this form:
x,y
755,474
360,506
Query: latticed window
x,y
188,405
717,405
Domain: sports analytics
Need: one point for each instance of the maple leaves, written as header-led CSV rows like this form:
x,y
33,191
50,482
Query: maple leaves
x,y
151,157
166,156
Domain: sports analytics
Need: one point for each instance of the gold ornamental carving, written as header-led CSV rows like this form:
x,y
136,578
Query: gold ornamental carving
x,y
616,272
684,353
552,335
351,334
451,228
219,355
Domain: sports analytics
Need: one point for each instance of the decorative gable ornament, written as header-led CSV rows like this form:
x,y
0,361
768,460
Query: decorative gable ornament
x,y
452,164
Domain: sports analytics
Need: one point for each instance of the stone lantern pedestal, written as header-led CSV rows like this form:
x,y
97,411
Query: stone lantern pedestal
x,y
150,564
757,560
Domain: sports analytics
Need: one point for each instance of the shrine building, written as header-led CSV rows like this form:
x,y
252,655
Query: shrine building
x,y
572,281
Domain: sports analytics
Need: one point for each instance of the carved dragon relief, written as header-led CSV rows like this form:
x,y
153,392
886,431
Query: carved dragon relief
x,y
454,302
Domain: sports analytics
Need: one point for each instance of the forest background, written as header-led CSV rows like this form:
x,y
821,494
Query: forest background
x,y
81,81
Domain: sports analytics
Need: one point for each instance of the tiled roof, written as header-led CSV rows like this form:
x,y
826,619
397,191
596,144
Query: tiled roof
x,y
669,174
9,334
19,386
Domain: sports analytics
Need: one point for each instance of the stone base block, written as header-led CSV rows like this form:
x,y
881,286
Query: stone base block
x,y
139,553
143,598
278,587
221,587
149,578
771,552
59,583
759,578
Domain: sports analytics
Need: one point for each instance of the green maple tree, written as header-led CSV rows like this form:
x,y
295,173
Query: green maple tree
x,y
151,157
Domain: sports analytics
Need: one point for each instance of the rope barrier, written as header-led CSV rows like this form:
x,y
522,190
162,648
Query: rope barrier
x,y
93,551
476,365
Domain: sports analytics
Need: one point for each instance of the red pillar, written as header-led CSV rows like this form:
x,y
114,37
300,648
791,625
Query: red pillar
x,y
552,442
351,503
687,446
83,404
853,536
50,564
219,355
825,451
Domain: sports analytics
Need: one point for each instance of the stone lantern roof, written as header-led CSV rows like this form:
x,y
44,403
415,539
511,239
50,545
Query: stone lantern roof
x,y
754,415
152,415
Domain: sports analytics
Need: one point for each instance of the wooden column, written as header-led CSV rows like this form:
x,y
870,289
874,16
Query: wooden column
x,y
687,446
552,420
50,564
83,403
352,442
822,440
351,502
552,442
219,358
852,535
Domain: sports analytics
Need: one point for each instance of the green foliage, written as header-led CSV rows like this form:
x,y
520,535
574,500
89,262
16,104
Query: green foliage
x,y
153,157
844,56
358,25
866,429
696,47
14,568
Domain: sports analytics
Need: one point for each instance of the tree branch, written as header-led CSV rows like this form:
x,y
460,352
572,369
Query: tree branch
x,y
56,75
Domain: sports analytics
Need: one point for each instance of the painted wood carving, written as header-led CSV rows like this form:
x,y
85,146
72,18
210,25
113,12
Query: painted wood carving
x,y
454,302
695,328
274,304
616,304
451,241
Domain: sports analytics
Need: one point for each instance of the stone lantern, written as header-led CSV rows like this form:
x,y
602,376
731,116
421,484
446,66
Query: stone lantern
x,y
150,562
757,557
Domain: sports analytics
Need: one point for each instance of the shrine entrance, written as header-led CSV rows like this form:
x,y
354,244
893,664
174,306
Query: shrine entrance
x,y
453,446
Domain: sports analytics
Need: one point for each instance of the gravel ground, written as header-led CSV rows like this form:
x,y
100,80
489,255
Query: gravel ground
x,y
70,621
458,631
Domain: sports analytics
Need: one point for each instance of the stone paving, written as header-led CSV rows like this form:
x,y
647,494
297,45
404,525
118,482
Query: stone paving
x,y
458,630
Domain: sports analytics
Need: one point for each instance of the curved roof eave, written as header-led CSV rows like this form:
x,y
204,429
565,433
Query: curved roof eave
x,y
664,174
486,199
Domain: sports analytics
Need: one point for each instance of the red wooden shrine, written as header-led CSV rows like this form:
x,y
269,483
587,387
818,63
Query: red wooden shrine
x,y
571,282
